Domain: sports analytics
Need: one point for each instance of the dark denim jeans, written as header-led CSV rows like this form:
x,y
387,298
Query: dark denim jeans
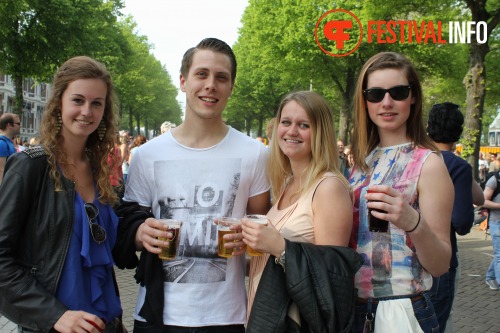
x,y
143,327
423,309
443,293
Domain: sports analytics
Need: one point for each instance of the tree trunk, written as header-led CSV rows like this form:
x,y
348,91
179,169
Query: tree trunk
x,y
130,121
261,125
475,82
343,125
18,100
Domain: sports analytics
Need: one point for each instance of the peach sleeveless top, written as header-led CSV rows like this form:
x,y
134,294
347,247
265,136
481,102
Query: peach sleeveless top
x,y
295,223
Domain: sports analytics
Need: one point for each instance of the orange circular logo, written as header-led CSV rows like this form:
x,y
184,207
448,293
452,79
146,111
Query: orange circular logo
x,y
336,34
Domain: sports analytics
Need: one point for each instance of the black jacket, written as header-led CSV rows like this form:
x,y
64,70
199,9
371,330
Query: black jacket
x,y
318,279
149,272
35,230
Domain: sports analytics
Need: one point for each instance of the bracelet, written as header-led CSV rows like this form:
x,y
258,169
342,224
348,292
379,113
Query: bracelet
x,y
418,222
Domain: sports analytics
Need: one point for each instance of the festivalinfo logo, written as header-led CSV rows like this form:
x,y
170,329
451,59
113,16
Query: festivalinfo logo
x,y
339,32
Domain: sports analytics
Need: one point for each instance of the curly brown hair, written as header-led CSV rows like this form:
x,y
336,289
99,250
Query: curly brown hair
x,y
97,150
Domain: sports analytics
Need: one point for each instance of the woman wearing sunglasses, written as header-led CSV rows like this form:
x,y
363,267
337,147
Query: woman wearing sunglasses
x,y
57,226
402,204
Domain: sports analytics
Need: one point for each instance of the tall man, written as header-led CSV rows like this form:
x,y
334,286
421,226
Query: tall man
x,y
196,172
10,126
444,128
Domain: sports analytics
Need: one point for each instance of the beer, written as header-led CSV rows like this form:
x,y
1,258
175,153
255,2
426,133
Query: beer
x,y
224,251
170,251
261,219
374,223
223,228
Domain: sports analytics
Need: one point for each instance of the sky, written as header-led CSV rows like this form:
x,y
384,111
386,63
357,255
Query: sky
x,y
173,26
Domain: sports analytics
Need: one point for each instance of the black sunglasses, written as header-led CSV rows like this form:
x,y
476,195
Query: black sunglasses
x,y
97,231
398,93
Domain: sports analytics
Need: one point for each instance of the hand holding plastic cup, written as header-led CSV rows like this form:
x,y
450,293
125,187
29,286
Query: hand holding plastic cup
x,y
170,251
374,223
223,228
261,219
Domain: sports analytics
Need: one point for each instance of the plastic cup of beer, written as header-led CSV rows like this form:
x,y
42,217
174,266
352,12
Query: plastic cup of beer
x,y
223,228
261,219
170,251
374,223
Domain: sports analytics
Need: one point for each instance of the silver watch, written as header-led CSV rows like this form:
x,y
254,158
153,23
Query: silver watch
x,y
281,260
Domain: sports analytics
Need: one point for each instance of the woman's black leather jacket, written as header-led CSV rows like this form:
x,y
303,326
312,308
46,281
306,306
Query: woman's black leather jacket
x,y
35,230
318,279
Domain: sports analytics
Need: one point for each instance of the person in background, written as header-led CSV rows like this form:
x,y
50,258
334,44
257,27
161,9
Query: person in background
x,y
350,159
444,127
138,141
115,161
493,167
125,154
18,144
400,179
313,205
483,167
10,126
166,126
196,172
34,141
492,202
56,265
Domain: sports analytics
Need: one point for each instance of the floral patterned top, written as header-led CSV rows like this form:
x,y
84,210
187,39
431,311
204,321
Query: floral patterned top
x,y
391,266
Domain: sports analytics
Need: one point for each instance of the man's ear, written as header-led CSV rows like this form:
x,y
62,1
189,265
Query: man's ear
x,y
183,83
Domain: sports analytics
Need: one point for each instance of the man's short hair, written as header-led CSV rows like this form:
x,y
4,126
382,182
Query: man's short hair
x,y
212,44
445,124
5,119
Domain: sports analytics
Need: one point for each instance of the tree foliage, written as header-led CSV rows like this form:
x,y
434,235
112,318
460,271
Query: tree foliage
x,y
277,53
37,36
146,91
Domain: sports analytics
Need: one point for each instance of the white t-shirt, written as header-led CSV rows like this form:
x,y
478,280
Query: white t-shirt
x,y
195,186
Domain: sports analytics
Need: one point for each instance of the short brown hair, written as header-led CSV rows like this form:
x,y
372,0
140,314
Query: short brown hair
x,y
212,44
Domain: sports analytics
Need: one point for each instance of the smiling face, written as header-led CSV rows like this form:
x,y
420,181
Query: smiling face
x,y
208,85
82,107
294,132
389,115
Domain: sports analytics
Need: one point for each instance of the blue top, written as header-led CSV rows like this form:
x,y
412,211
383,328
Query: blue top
x,y
6,146
462,215
86,282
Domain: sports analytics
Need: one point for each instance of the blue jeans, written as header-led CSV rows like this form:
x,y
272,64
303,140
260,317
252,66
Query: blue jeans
x,y
143,327
443,293
423,309
493,272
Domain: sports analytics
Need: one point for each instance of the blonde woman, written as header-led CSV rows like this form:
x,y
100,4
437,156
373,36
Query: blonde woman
x,y
313,206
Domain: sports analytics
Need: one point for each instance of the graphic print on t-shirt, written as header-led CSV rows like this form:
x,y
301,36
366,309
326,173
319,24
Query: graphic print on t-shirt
x,y
196,192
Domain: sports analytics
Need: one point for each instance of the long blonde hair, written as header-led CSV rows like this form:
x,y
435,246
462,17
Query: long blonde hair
x,y
97,150
324,152
365,133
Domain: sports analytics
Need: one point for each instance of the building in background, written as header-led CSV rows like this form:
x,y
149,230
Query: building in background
x,y
35,97
494,131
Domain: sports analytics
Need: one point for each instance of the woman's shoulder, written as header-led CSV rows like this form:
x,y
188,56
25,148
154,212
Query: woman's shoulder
x,y
331,183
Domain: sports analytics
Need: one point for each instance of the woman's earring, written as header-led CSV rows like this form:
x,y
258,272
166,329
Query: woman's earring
x,y
101,130
59,122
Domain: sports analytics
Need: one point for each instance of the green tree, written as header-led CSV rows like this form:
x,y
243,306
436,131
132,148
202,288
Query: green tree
x,y
145,89
37,36
278,53
475,79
